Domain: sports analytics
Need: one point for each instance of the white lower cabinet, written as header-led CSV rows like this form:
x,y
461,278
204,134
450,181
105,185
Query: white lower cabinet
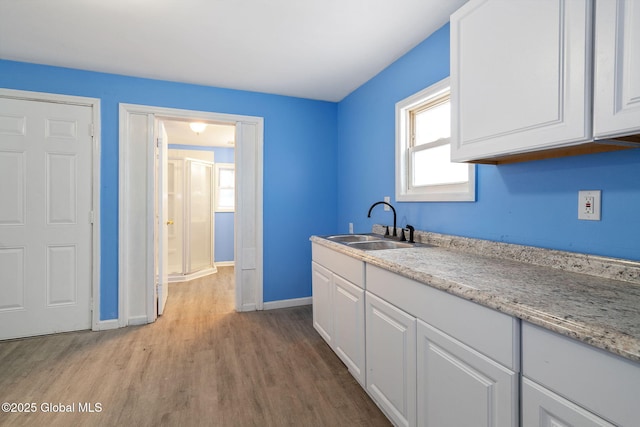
x,y
458,386
338,306
437,360
543,408
429,358
568,383
391,360
321,284
348,319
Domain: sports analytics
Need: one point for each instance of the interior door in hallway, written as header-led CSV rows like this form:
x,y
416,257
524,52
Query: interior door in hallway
x,y
45,217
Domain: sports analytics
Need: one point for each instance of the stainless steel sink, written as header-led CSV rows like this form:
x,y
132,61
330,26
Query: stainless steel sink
x,y
380,244
347,238
371,241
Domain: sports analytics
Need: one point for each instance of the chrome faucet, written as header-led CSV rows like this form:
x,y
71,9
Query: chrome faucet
x,y
394,214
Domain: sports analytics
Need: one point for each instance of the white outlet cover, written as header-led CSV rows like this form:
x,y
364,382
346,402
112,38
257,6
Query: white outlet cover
x,y
589,205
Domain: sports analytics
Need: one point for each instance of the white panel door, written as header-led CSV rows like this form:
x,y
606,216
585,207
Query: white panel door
x,y
45,223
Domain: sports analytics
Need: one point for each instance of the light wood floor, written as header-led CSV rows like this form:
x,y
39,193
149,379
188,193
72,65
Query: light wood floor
x,y
201,363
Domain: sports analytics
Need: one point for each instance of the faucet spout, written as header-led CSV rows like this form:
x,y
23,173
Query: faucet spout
x,y
394,214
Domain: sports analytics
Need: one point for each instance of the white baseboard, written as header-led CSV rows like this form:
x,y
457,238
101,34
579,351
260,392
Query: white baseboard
x,y
285,303
192,276
246,307
138,320
225,263
104,325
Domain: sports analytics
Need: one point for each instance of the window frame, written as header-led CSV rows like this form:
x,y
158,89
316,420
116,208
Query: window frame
x,y
217,168
405,192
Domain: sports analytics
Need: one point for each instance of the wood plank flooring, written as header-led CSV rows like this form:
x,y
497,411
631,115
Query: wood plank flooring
x,y
200,364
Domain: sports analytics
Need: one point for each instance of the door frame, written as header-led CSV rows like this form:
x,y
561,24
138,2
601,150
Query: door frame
x,y
138,306
94,104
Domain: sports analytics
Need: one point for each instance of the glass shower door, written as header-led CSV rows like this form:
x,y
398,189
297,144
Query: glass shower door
x,y
175,208
200,176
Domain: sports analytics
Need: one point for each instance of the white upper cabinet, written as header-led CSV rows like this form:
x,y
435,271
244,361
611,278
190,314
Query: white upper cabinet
x,y
617,69
522,78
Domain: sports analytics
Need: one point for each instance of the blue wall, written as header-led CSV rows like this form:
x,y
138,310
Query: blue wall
x,y
310,146
299,163
224,243
533,203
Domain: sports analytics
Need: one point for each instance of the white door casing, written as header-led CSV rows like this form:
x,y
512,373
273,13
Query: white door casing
x,y
248,216
49,229
136,208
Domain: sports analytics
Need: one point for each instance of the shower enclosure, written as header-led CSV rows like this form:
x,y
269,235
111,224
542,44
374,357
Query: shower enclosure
x,y
190,205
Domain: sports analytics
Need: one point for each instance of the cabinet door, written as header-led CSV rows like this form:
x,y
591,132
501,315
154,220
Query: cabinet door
x,y
391,360
321,283
348,326
617,68
520,77
543,408
457,386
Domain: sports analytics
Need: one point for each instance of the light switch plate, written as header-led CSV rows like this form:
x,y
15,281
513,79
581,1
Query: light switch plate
x,y
589,205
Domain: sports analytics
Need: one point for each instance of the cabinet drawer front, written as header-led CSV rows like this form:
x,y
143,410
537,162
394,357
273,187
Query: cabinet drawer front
x,y
603,383
490,332
341,264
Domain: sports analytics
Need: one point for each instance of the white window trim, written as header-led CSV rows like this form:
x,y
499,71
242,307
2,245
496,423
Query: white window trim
x,y
465,192
217,168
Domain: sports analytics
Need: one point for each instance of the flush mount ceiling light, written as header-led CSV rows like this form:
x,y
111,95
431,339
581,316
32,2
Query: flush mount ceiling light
x,y
197,127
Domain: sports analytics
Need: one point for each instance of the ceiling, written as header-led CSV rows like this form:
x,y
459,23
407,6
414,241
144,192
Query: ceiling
x,y
317,49
218,135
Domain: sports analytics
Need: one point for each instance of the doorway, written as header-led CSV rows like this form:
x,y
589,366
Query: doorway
x,y
138,222
200,198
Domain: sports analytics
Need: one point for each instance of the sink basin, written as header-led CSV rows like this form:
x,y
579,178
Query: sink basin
x,y
380,244
347,238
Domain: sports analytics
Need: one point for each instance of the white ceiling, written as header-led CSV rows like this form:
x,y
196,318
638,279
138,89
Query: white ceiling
x,y
317,49
214,134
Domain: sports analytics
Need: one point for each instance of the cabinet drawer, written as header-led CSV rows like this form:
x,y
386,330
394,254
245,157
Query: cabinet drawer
x,y
341,264
601,382
490,332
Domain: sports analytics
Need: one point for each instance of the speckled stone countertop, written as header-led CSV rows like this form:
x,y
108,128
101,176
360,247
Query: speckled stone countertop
x,y
576,295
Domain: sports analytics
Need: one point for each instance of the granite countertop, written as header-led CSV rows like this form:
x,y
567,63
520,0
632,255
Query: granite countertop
x,y
601,311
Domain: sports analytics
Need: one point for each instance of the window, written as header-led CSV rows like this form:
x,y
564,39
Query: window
x,y
225,194
424,171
